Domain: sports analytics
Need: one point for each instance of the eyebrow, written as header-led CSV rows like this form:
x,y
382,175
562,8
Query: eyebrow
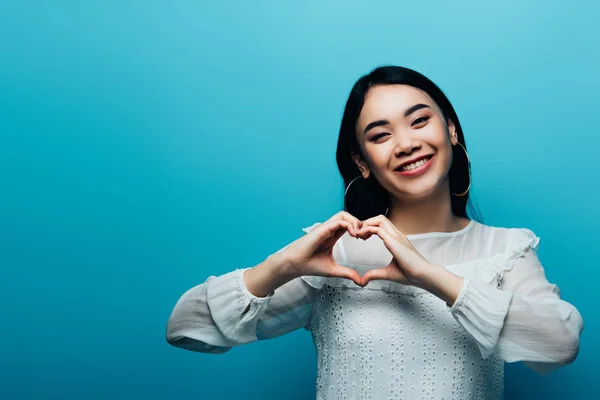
x,y
408,111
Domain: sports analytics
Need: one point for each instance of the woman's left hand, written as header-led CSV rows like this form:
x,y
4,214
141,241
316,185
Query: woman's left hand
x,y
407,267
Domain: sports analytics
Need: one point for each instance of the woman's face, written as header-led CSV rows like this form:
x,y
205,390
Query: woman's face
x,y
398,124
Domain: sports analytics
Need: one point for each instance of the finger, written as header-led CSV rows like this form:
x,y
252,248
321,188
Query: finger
x,y
391,272
380,221
375,274
343,227
350,227
364,233
345,272
367,231
329,232
336,227
355,222
376,221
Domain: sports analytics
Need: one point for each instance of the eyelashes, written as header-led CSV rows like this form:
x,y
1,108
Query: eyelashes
x,y
420,120
374,138
418,123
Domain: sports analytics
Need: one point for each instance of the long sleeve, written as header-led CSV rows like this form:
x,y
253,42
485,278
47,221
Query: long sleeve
x,y
210,317
525,320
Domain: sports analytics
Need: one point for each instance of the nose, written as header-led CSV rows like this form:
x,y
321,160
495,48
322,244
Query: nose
x,y
406,144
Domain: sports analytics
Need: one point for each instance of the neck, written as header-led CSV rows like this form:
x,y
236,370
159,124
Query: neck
x,y
428,214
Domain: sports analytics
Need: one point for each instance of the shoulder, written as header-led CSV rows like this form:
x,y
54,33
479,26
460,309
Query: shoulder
x,y
494,251
501,238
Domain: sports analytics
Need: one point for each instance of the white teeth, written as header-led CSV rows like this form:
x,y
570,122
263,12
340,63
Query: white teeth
x,y
414,165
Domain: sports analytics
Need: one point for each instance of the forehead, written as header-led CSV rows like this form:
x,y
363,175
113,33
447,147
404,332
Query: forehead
x,y
390,101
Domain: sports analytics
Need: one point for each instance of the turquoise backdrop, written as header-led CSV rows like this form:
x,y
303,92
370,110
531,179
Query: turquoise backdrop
x,y
147,145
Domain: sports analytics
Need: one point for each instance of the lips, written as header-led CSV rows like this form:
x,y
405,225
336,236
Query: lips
x,y
399,167
421,169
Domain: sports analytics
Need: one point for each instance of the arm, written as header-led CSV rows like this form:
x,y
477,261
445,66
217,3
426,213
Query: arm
x,y
525,321
222,312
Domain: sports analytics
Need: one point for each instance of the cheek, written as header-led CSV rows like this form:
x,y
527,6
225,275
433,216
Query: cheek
x,y
436,134
444,159
440,143
439,140
379,155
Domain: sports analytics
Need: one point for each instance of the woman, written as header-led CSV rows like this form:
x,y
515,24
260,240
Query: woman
x,y
405,296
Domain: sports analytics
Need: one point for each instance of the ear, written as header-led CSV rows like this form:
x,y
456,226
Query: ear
x,y
364,169
452,131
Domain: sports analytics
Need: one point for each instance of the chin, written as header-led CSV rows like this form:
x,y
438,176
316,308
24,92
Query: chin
x,y
418,189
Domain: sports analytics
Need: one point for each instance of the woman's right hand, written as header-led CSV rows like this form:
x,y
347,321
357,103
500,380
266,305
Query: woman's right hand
x,y
312,254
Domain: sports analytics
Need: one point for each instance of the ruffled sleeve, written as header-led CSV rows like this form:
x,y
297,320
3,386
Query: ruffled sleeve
x,y
521,317
212,318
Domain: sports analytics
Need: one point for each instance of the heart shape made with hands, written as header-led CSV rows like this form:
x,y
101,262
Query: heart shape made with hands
x,y
407,263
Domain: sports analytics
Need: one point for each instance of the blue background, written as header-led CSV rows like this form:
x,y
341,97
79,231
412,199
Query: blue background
x,y
147,145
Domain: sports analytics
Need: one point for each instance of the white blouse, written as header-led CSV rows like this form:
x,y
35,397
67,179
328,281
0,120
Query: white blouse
x,y
392,341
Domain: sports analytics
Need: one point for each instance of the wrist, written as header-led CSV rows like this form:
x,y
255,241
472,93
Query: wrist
x,y
281,267
266,277
442,283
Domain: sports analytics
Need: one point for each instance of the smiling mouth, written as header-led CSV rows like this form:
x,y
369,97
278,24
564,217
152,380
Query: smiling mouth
x,y
415,165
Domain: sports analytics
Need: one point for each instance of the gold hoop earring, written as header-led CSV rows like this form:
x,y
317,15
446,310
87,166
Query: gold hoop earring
x,y
469,169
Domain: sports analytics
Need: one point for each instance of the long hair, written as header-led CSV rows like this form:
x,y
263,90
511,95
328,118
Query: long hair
x,y
366,198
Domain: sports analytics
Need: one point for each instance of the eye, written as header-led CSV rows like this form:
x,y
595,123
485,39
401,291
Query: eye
x,y
374,138
420,121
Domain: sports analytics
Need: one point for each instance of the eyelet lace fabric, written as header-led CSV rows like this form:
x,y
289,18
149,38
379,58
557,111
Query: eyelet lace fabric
x,y
377,345
393,341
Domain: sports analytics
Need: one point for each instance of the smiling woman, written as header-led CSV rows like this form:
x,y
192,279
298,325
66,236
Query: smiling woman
x,y
405,293
393,118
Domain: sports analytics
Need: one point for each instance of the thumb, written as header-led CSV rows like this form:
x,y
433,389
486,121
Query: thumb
x,y
340,271
375,274
391,272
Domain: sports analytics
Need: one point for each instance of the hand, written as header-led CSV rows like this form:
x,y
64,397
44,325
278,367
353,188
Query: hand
x,y
407,267
312,254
